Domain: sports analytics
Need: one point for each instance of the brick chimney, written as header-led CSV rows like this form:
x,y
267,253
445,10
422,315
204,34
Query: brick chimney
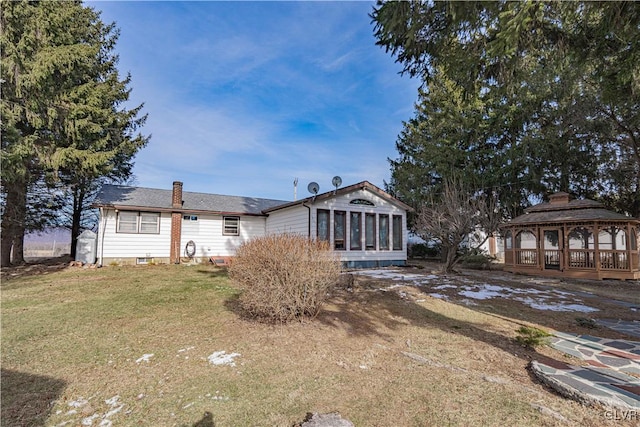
x,y
176,222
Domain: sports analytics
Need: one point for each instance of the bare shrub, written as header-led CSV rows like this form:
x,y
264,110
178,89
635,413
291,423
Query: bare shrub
x,y
284,276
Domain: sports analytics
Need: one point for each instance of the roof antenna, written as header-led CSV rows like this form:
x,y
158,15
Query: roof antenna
x,y
295,189
313,188
337,182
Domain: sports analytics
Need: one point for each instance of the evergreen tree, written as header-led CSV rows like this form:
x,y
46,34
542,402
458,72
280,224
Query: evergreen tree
x,y
63,116
558,83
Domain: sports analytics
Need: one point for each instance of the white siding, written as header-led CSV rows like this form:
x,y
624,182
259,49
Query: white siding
x,y
293,220
206,233
112,244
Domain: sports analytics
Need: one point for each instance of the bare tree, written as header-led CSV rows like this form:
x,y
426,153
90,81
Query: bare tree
x,y
450,217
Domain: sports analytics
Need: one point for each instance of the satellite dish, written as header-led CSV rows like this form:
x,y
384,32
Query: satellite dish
x,y
313,187
336,181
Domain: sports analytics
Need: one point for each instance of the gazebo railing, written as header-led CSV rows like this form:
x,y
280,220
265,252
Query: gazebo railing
x,y
579,258
526,257
614,260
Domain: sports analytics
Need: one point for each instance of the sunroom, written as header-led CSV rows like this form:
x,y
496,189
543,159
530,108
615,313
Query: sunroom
x,y
572,238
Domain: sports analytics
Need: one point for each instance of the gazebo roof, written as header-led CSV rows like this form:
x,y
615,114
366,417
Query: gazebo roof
x,y
561,208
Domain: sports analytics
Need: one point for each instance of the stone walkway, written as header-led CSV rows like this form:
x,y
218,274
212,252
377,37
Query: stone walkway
x,y
608,379
631,328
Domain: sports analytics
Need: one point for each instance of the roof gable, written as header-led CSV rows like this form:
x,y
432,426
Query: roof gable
x,y
364,185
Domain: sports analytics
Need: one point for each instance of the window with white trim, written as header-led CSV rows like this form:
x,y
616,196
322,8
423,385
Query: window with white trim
x,y
231,226
384,232
355,226
397,232
370,231
339,229
322,229
138,222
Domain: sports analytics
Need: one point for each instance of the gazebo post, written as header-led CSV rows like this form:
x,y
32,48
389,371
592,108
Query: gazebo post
x,y
540,246
596,243
565,247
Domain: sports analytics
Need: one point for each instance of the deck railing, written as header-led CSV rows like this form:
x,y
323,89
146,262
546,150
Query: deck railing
x,y
614,260
526,257
582,258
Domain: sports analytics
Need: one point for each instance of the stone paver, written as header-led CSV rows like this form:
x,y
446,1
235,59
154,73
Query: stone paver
x,y
608,380
628,327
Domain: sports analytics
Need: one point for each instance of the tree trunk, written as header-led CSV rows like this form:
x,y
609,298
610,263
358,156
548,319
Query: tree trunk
x,y
78,201
6,245
12,239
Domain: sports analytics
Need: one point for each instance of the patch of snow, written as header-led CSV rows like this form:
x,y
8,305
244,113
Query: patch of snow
x,y
440,287
113,401
222,358
482,294
223,398
539,305
182,350
78,403
145,358
439,296
89,420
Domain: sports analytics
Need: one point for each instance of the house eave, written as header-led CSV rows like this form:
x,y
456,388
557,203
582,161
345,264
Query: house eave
x,y
171,210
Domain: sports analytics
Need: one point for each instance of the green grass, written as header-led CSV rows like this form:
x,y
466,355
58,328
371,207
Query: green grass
x,y
77,333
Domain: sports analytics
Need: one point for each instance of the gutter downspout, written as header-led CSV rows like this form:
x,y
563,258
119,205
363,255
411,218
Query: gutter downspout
x,y
308,220
103,229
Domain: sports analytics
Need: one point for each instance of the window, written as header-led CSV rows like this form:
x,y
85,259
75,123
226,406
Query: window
x,y
127,222
149,223
339,227
384,232
397,232
322,229
356,231
370,231
190,218
138,222
231,226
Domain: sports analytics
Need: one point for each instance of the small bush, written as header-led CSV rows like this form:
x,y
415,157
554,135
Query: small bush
x,y
422,250
585,322
284,277
532,337
475,259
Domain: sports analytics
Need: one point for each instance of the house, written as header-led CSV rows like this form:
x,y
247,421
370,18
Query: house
x,y
565,237
365,225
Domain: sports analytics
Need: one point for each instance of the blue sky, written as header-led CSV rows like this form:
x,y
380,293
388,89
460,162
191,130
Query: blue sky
x,y
243,97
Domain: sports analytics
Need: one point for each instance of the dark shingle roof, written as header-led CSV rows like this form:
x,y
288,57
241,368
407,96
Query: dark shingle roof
x,y
121,196
561,208
570,215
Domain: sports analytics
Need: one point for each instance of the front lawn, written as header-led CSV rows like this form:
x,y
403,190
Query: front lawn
x,y
143,346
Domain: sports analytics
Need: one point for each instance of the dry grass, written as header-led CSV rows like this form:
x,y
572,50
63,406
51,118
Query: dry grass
x,y
377,358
